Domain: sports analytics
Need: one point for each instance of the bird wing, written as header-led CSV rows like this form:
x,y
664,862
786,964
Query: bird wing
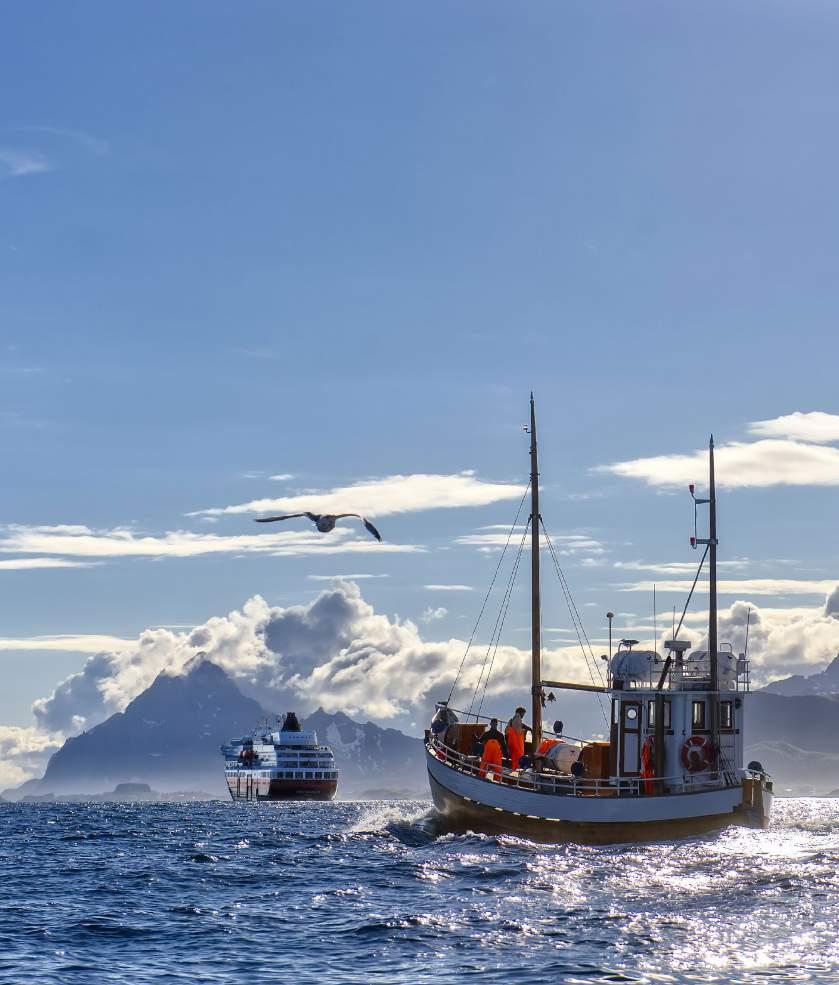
x,y
286,516
367,524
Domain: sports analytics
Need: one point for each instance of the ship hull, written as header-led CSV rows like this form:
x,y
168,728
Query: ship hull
x,y
244,787
467,802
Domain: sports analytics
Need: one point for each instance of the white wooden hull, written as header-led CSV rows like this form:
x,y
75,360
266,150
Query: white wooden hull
x,y
467,801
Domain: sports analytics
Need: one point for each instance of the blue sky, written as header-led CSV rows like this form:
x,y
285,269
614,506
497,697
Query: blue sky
x,y
345,241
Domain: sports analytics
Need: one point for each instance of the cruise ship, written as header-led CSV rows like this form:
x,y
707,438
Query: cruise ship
x,y
284,764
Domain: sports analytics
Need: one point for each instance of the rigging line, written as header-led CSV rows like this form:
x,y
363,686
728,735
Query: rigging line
x,y
577,622
489,592
690,593
498,617
505,610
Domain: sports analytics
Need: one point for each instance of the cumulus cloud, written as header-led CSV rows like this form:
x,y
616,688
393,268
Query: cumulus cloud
x,y
336,652
782,642
385,496
22,752
81,541
431,614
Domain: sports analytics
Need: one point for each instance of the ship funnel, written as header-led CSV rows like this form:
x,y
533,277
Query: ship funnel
x,y
290,723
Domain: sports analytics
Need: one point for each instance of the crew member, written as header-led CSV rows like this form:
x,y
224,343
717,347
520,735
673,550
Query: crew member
x,y
493,749
515,737
442,721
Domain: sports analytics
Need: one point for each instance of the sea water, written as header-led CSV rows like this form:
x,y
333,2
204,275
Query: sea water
x,y
377,893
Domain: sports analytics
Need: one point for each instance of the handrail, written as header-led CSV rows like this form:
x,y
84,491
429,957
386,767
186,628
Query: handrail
x,y
570,785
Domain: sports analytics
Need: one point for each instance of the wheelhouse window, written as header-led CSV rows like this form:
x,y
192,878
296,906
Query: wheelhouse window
x,y
726,715
698,715
651,714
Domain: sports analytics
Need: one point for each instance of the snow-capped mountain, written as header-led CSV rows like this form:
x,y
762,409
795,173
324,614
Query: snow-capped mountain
x,y
169,737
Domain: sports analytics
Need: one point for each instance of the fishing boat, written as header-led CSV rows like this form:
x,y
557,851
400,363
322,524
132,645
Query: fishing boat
x,y
670,763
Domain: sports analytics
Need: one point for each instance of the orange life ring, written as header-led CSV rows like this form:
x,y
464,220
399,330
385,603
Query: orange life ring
x,y
698,753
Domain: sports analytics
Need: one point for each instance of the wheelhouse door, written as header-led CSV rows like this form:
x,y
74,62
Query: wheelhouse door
x,y
630,738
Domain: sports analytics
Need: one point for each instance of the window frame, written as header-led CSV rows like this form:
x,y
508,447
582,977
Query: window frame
x,y
701,724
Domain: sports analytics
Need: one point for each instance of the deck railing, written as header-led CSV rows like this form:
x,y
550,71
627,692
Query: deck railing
x,y
571,786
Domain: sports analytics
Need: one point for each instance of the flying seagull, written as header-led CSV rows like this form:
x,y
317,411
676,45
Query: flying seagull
x,y
323,521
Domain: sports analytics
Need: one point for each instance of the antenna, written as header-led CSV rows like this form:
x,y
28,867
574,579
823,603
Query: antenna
x,y
748,620
655,632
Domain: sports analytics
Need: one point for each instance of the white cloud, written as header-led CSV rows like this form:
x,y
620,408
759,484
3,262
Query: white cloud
x,y
353,577
739,465
448,588
31,563
386,496
283,477
565,544
339,653
676,567
746,586
815,426
92,643
781,641
16,163
22,752
81,541
791,450
432,615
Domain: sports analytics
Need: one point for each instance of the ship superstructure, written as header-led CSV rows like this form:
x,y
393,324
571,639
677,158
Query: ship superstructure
x,y
285,763
673,761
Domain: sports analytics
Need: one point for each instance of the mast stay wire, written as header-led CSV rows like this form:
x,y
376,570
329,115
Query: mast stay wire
x,y
488,593
577,622
505,606
499,617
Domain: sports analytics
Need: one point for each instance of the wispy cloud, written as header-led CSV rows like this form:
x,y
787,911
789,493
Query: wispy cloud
x,y
15,162
448,588
353,577
34,563
283,477
82,541
96,145
742,588
565,544
791,451
676,567
93,643
384,497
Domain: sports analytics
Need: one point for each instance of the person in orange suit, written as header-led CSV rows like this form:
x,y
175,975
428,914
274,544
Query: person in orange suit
x,y
514,734
493,749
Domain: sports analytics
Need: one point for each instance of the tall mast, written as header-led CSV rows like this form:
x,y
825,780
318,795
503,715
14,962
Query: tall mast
x,y
536,612
712,558
712,604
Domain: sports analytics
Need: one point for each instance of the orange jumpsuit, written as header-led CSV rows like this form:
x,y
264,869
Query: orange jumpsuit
x,y
491,758
515,744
